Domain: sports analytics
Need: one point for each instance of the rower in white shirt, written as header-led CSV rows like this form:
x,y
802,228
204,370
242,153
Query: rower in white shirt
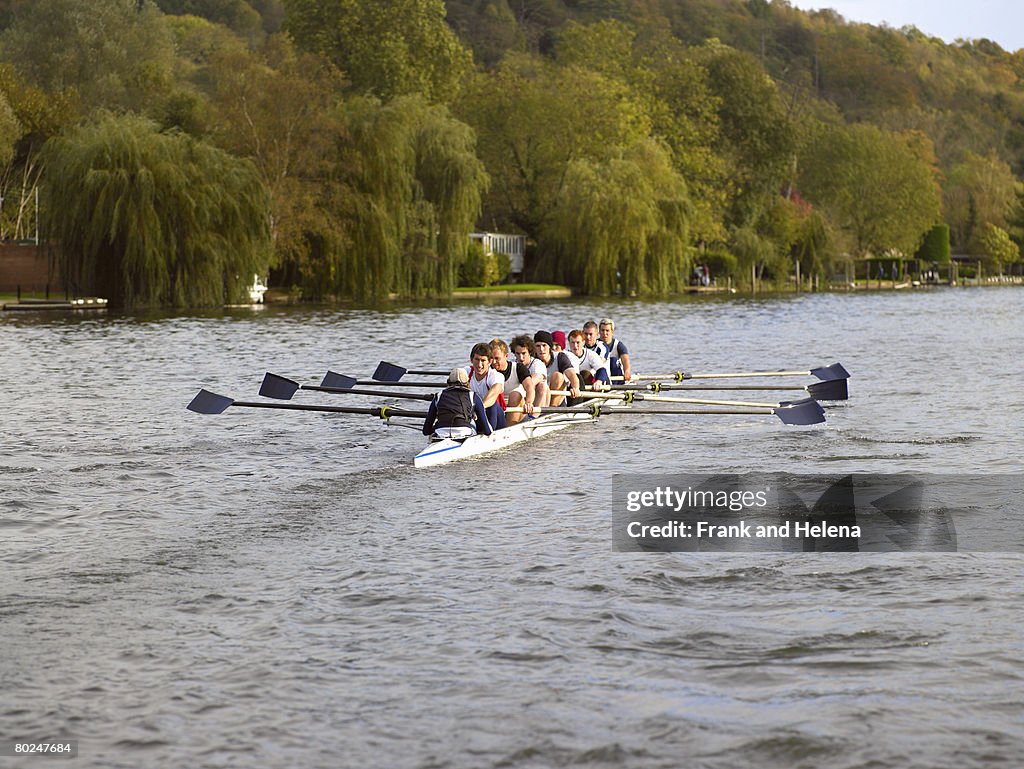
x,y
561,369
592,367
487,383
525,377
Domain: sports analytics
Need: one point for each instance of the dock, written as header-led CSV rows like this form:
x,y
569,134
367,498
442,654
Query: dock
x,y
40,305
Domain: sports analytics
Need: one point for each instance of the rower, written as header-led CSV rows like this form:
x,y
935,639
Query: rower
x,y
561,371
454,410
592,367
618,355
526,379
488,384
558,342
592,342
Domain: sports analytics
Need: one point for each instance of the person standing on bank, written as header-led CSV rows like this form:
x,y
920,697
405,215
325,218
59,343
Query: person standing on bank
x,y
454,411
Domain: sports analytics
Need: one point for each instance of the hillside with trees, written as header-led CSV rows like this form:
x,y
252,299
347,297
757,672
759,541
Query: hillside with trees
x,y
178,147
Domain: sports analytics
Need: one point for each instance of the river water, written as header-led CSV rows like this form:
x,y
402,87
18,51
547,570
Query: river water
x,y
277,589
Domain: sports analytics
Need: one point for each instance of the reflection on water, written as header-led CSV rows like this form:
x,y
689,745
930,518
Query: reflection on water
x,y
281,589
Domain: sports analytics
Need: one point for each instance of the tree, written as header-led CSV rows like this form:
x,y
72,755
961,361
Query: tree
x,y
995,243
111,53
415,186
385,48
756,137
534,118
620,225
879,187
148,218
277,107
979,190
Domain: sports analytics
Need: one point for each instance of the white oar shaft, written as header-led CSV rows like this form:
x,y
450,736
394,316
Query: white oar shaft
x,y
679,376
668,399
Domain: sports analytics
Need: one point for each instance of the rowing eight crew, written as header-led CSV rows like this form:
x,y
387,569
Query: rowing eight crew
x,y
545,365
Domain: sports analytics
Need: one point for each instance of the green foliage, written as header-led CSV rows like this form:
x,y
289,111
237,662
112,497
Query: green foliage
x,y
149,218
995,243
10,130
935,246
978,191
237,15
756,138
111,53
533,119
720,262
878,186
619,226
385,48
479,269
277,107
415,186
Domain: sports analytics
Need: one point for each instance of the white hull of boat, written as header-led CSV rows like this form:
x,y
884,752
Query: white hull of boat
x,y
442,452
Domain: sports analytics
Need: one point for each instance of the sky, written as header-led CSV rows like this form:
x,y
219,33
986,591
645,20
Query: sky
x,y
998,20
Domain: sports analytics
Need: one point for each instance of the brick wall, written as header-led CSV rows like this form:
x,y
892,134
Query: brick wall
x,y
28,267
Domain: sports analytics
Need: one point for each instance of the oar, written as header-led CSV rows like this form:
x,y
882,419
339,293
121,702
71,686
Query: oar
x,y
630,397
825,373
282,388
344,382
830,390
802,412
207,402
391,372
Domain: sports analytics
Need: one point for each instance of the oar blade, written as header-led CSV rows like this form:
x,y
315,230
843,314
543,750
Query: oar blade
x,y
339,381
278,387
827,373
829,390
802,412
388,372
207,402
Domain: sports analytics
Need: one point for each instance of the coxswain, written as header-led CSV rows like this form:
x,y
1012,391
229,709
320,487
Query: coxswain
x,y
488,384
454,411
618,355
561,370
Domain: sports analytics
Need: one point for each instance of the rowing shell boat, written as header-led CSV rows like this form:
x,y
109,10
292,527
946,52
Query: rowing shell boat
x,y
445,451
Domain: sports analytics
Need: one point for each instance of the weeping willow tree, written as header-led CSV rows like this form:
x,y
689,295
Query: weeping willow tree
x,y
415,185
150,218
620,225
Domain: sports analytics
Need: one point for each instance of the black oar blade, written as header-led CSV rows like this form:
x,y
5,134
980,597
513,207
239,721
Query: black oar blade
x,y
207,402
388,372
831,390
275,386
827,373
339,381
803,412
